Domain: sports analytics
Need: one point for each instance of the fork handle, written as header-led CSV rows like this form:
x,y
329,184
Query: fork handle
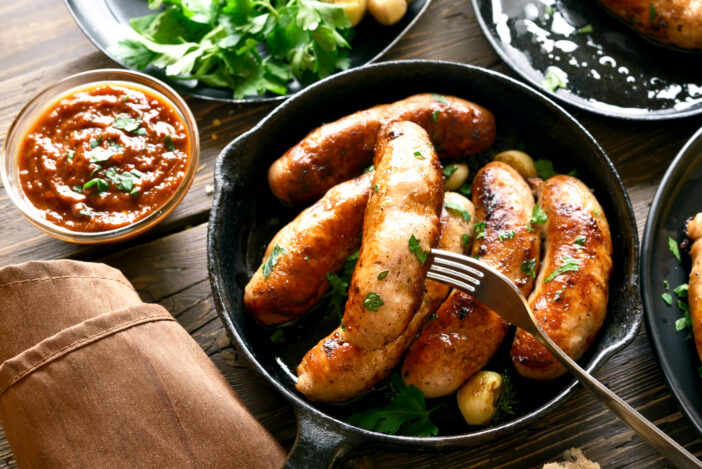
x,y
648,432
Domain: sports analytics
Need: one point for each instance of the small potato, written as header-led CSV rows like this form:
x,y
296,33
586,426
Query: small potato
x,y
355,9
519,161
477,398
387,12
457,178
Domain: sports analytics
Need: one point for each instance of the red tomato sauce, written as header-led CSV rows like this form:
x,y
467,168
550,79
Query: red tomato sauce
x,y
103,157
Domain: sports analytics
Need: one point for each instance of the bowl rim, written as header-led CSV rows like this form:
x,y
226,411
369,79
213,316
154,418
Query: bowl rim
x,y
47,97
300,405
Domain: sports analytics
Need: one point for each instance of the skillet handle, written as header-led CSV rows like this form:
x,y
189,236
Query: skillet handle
x,y
318,444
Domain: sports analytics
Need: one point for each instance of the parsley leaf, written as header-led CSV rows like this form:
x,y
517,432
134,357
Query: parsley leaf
x,y
545,169
169,143
95,143
587,29
86,212
272,260
372,302
529,267
99,155
406,413
569,264
466,189
101,184
465,241
70,154
507,402
278,336
681,290
126,123
449,170
419,156
651,12
416,248
538,216
439,98
369,169
554,78
558,294
668,298
454,207
383,274
683,322
340,286
376,188
480,230
502,235
580,242
435,115
673,247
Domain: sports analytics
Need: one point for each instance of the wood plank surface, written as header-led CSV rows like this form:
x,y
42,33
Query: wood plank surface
x,y
168,265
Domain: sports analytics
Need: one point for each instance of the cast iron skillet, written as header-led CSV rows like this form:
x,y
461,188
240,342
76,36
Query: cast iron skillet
x,y
100,20
678,197
245,216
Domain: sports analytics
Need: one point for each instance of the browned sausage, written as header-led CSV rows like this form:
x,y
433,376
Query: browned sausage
x,y
570,298
340,150
402,216
466,334
317,241
335,370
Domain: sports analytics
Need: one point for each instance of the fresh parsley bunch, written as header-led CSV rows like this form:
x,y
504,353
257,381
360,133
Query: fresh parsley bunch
x,y
250,46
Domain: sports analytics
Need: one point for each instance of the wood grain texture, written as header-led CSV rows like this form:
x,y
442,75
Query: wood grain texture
x,y
168,265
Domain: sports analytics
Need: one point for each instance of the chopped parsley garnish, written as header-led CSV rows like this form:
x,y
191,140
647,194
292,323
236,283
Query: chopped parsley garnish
x,y
373,302
529,267
587,29
651,12
307,258
699,372
569,264
369,169
558,294
449,170
115,147
550,10
683,322
169,143
466,189
77,189
502,235
101,184
416,248
86,212
673,247
278,336
125,181
376,188
580,242
270,264
432,317
454,207
538,216
94,143
127,123
668,298
596,212
435,115
383,274
480,230
439,98
544,168
465,241
70,154
554,79
340,286
681,290
406,413
666,285
418,155
97,168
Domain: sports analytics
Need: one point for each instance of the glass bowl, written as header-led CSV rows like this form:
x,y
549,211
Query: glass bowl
x,y
9,158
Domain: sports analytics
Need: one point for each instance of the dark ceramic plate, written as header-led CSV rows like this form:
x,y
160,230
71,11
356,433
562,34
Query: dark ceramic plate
x,y
611,71
678,198
100,20
245,216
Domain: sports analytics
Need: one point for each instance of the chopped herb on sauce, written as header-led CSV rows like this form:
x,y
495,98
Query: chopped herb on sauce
x,y
580,242
383,274
454,207
569,264
419,156
538,216
480,230
86,212
416,248
126,123
435,115
101,184
99,155
169,143
529,267
439,98
373,302
70,154
95,143
557,296
502,235
270,264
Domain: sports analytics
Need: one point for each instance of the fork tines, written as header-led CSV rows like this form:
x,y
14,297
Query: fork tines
x,y
447,268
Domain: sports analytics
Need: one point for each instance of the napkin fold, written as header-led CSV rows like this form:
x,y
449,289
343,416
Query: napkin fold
x,y
90,376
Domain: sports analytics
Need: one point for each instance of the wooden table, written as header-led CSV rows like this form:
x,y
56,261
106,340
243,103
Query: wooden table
x,y
41,44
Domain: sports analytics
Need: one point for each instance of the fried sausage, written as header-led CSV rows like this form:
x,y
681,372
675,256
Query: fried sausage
x,y
317,241
339,150
570,298
335,370
694,294
400,226
466,334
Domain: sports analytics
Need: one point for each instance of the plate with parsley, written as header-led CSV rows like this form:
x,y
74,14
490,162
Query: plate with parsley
x,y
236,50
665,270
577,52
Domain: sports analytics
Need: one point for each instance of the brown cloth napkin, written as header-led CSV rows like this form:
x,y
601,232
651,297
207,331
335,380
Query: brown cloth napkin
x,y
92,377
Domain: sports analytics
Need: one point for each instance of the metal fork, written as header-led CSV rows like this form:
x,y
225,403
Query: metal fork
x,y
498,293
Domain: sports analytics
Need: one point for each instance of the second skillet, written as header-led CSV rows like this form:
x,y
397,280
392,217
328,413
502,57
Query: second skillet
x,y
245,216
